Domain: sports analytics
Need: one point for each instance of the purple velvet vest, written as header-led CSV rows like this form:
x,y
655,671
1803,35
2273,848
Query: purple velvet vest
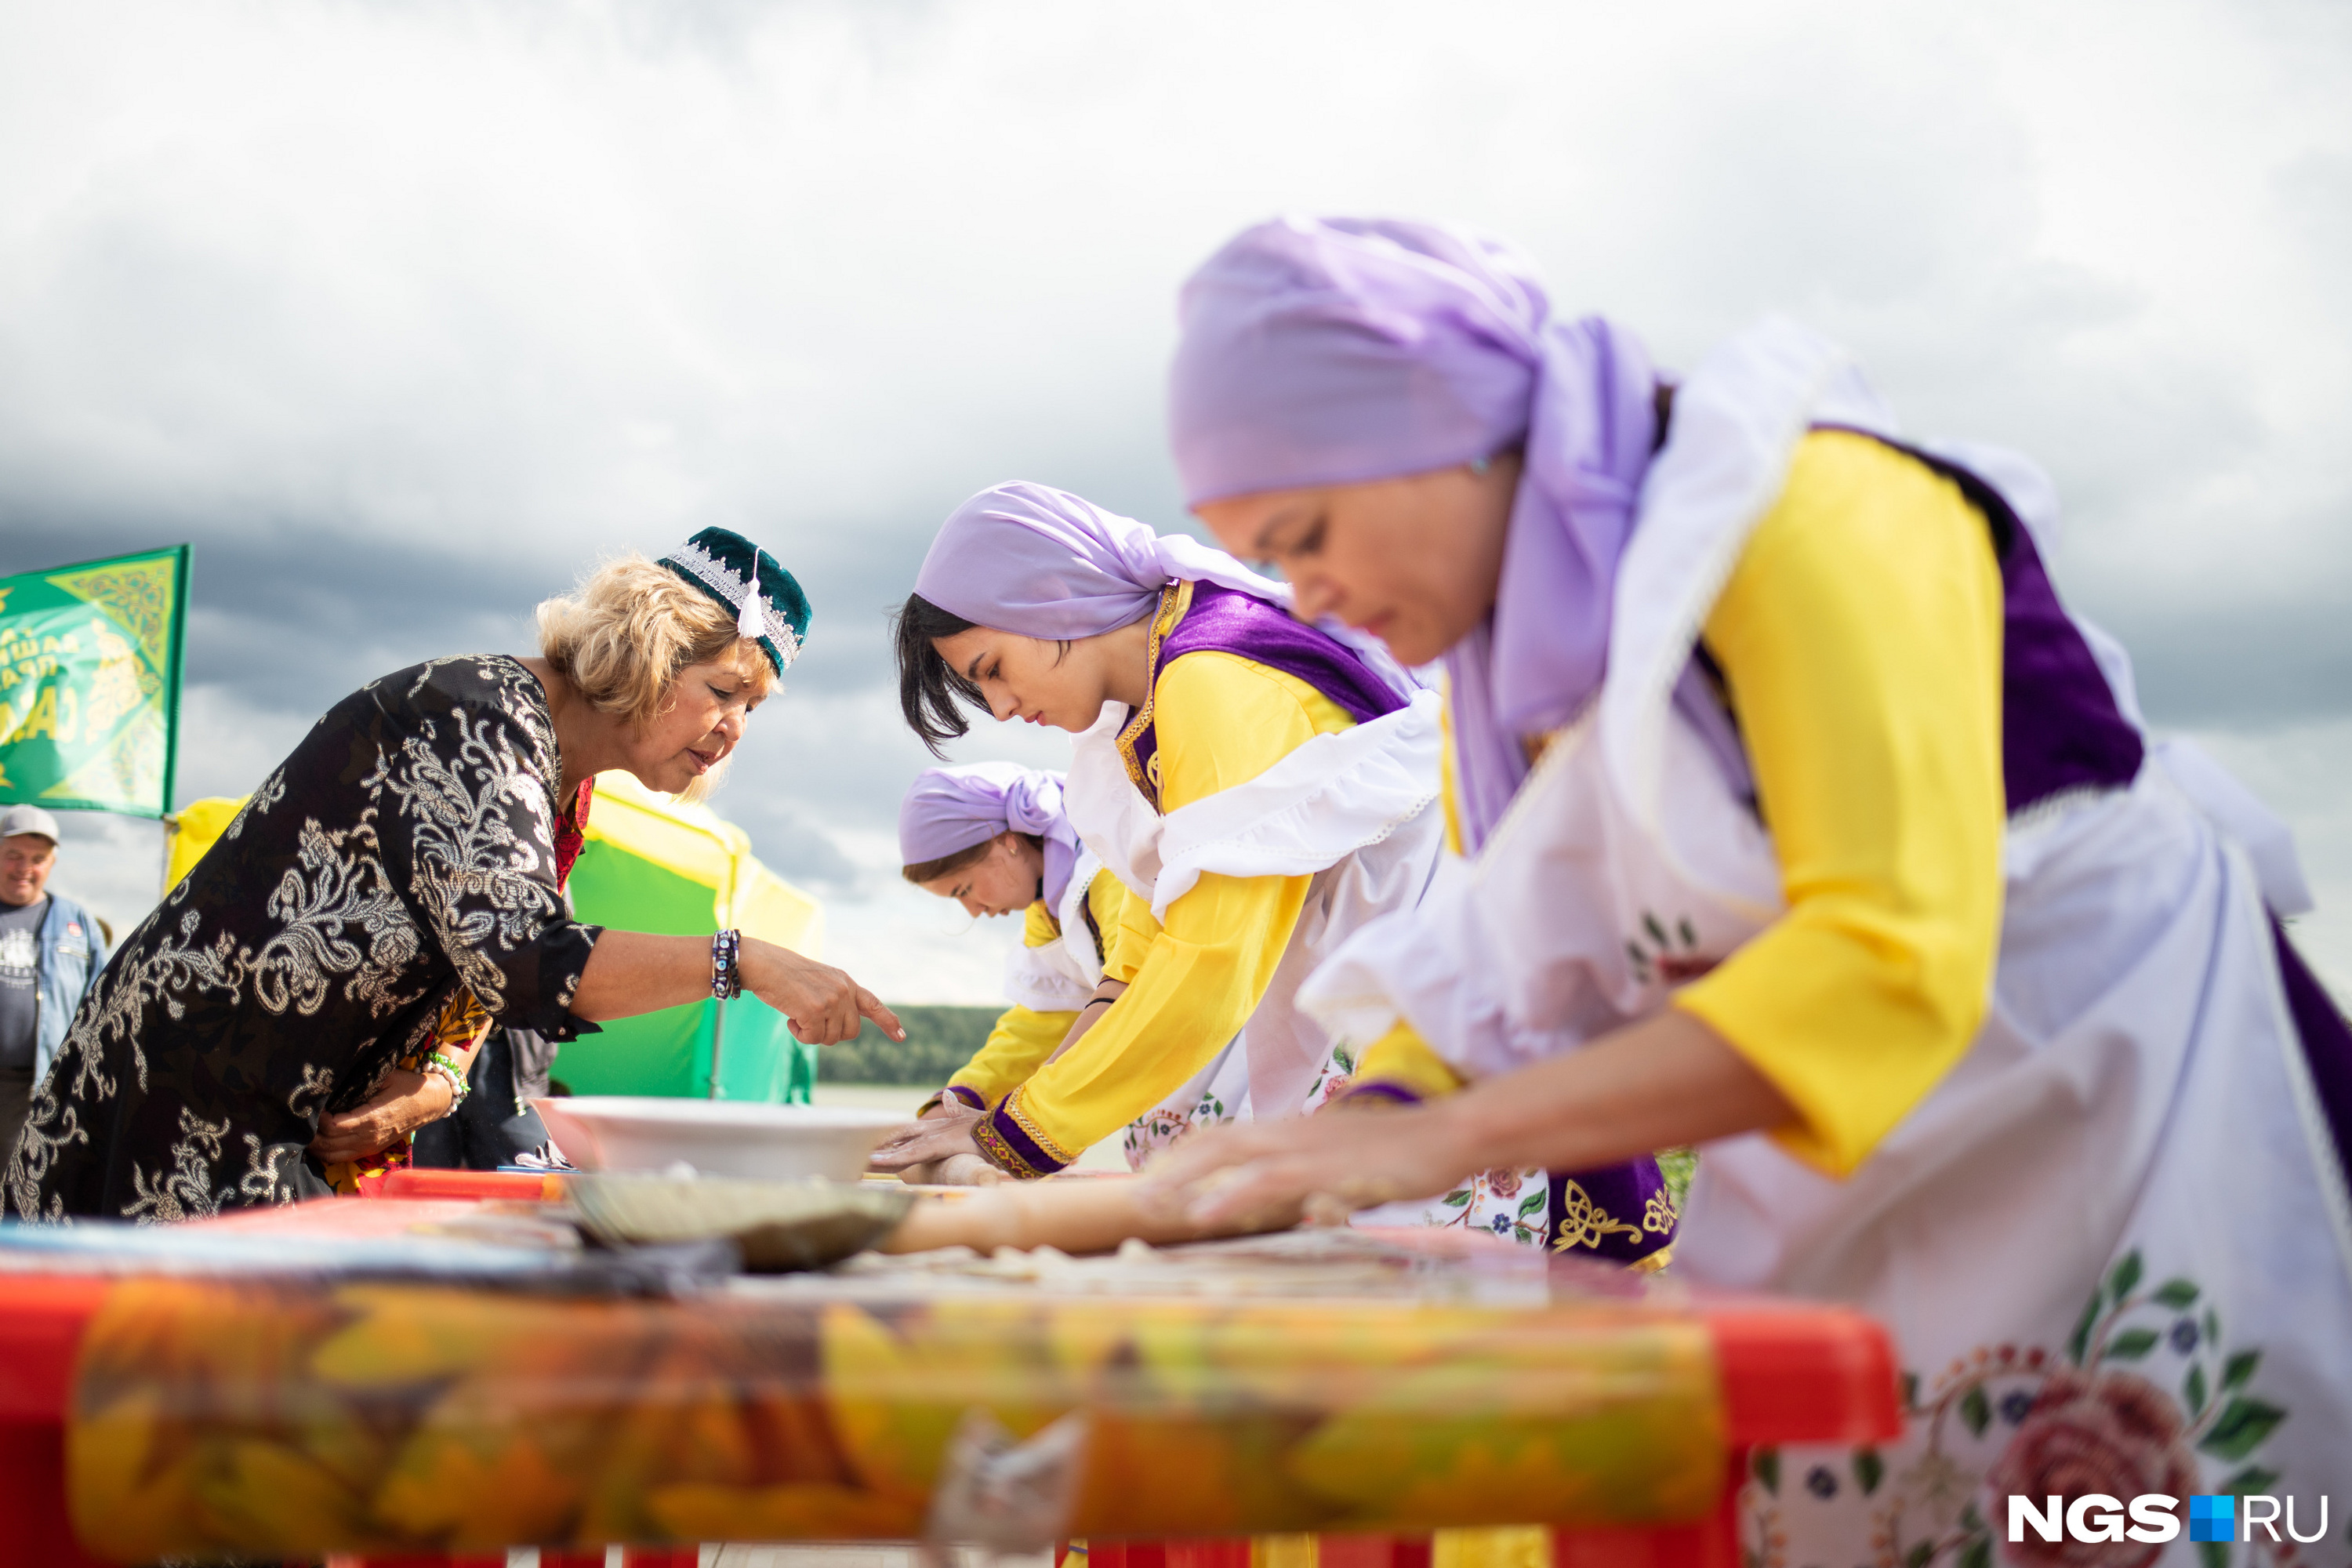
x,y
2060,730
2060,727
1226,620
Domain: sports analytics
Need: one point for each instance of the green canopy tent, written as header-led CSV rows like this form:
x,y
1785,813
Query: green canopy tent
x,y
653,865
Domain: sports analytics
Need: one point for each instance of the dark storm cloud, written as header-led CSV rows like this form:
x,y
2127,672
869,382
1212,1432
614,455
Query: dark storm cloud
x,y
406,313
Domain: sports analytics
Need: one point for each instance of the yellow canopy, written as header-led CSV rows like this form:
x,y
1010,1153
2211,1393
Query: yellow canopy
x,y
196,828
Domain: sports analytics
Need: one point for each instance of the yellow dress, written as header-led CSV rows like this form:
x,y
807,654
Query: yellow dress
x,y
1195,978
1860,640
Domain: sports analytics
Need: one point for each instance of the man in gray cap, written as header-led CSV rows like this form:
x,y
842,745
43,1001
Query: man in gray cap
x,y
51,950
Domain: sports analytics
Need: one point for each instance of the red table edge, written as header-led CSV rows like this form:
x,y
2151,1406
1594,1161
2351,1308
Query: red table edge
x,y
1819,1374
412,1181
42,1317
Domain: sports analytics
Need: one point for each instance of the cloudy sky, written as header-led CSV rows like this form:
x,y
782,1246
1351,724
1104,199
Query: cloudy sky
x,y
407,312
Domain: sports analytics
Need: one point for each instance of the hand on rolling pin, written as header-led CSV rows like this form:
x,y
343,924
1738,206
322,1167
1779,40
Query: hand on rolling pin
x,y
938,1149
1665,1081
955,1171
1324,1167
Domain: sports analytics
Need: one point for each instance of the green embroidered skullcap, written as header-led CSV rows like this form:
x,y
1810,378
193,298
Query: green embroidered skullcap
x,y
728,566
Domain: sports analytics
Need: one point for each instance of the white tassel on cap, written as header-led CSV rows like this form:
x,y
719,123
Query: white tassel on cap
x,y
750,621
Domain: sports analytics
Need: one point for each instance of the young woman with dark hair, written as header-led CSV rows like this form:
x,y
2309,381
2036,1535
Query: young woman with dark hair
x,y
1262,786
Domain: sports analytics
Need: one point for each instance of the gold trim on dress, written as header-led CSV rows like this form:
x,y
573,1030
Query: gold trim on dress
x,y
1003,1154
1046,1145
1660,1215
1582,1222
1175,600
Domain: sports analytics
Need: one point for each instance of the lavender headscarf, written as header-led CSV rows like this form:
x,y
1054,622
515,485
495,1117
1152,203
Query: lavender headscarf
x,y
1331,351
1043,562
947,809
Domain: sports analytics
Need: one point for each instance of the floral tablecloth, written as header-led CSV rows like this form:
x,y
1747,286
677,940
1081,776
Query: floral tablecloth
x,y
217,1417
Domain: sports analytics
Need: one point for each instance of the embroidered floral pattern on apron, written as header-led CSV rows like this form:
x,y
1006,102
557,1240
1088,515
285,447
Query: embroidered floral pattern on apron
x,y
1666,960
2147,1396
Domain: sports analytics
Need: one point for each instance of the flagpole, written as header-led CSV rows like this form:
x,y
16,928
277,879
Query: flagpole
x,y
178,640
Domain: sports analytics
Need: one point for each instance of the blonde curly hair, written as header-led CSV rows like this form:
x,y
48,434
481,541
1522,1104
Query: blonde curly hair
x,y
621,637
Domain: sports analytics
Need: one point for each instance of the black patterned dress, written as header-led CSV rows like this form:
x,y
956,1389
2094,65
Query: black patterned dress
x,y
403,856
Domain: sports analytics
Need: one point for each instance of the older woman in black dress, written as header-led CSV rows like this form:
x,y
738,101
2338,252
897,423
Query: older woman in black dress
x,y
315,988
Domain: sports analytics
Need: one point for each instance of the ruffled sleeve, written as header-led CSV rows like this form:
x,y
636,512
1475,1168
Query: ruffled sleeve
x,y
1400,1065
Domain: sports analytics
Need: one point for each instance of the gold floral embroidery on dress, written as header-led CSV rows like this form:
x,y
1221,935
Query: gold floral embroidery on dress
x,y
1659,1215
1582,1222
1174,600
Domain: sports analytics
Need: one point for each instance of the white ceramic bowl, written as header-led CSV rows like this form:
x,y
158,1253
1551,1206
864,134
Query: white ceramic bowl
x,y
717,1137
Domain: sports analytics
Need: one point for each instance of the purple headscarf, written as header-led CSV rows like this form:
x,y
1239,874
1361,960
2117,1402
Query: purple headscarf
x,y
1331,351
947,809
1042,562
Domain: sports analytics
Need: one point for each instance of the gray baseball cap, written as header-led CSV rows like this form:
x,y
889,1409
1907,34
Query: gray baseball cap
x,y
29,819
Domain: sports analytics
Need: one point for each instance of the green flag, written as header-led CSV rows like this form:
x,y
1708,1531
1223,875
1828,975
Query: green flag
x,y
90,683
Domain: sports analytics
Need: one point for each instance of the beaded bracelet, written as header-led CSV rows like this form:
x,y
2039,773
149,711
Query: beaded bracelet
x,y
446,1067
725,980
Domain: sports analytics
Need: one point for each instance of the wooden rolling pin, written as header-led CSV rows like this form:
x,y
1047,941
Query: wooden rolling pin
x,y
1092,1213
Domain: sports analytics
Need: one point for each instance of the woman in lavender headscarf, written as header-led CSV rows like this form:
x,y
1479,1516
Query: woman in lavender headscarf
x,y
1803,821
993,836
1261,788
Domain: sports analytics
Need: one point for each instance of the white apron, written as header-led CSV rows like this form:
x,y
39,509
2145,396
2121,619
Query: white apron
x,y
1062,975
1352,810
2114,1241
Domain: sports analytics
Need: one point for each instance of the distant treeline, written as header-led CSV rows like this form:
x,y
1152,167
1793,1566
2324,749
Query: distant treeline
x,y
938,1040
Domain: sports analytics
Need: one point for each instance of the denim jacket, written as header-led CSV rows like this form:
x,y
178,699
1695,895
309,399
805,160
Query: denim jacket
x,y
73,951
